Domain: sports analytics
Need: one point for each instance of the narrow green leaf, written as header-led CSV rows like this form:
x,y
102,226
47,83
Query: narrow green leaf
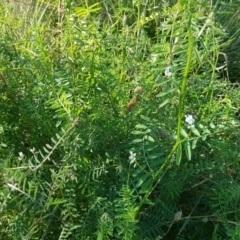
x,y
46,150
157,162
142,180
155,155
182,2
161,83
24,184
194,143
53,140
188,150
217,30
136,141
3,144
164,103
36,159
184,133
196,132
146,118
207,131
141,126
135,132
161,94
212,125
58,137
145,185
35,193
179,154
204,137
149,138
49,146
42,155
187,220
137,172
149,202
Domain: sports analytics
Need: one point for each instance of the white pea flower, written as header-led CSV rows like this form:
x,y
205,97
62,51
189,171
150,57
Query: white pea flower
x,y
132,158
154,57
190,120
205,220
33,150
69,172
178,216
168,72
21,156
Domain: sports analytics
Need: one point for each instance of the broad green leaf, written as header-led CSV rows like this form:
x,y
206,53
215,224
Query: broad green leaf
x,y
179,154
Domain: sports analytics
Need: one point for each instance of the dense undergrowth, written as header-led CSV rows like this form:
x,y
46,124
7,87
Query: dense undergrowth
x,y
119,120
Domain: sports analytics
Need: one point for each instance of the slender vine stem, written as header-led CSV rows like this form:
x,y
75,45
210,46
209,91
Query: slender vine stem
x,y
180,115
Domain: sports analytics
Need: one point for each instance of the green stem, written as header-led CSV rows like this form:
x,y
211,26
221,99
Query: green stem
x,y
180,113
184,82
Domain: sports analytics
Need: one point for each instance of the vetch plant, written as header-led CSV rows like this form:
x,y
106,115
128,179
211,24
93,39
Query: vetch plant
x,y
92,68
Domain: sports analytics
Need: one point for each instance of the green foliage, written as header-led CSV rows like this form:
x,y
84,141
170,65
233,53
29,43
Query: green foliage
x,y
116,122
